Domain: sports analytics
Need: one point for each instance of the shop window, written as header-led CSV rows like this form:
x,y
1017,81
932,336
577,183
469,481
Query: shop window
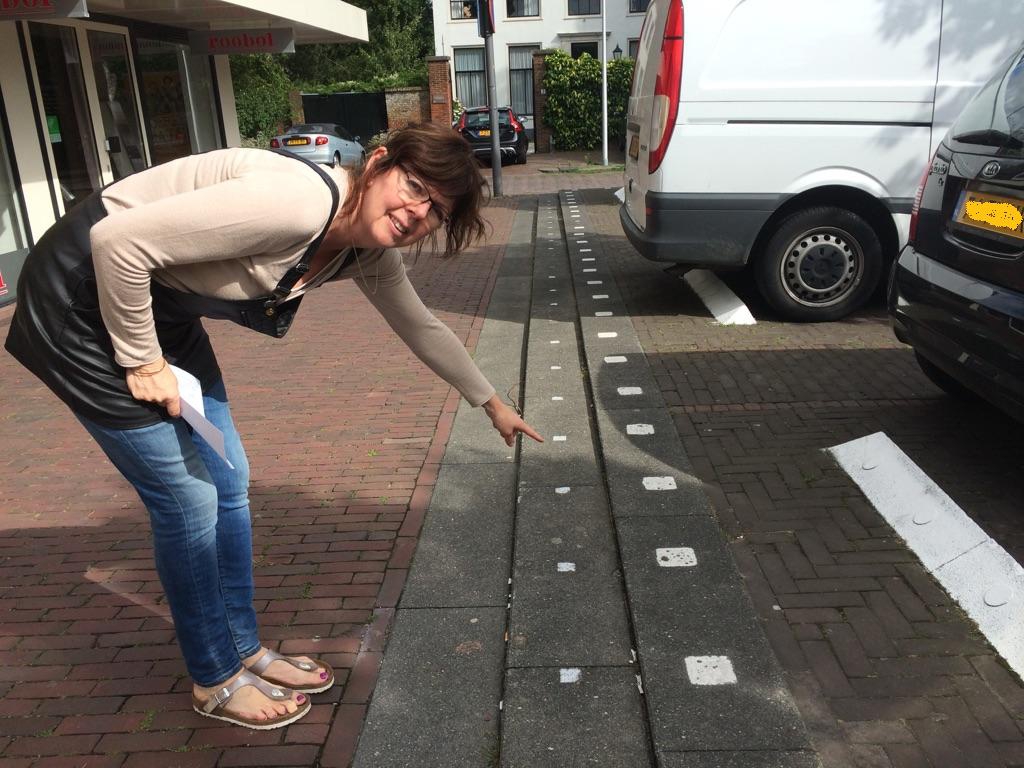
x,y
177,89
470,80
13,242
116,91
66,110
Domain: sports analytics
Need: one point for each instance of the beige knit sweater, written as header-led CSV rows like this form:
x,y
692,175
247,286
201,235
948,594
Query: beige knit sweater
x,y
229,224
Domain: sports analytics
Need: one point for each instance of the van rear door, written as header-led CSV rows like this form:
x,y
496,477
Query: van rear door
x,y
638,116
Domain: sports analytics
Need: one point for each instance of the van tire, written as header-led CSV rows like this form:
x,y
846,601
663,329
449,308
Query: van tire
x,y
819,265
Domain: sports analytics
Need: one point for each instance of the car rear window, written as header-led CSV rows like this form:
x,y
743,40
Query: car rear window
x,y
307,128
483,119
995,117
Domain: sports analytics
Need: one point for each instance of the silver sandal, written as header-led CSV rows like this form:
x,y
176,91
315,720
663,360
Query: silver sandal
x,y
269,657
214,706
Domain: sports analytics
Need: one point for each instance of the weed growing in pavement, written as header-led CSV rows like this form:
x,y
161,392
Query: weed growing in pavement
x,y
147,722
372,452
307,590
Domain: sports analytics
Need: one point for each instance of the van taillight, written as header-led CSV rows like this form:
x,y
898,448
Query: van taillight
x,y
915,210
666,86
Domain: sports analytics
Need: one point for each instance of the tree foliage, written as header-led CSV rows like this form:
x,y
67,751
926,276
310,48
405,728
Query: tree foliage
x,y
573,108
400,37
261,94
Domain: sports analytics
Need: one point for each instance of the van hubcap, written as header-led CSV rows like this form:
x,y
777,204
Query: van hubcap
x,y
821,267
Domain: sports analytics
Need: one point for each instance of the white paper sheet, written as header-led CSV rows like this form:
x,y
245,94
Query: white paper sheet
x,y
192,411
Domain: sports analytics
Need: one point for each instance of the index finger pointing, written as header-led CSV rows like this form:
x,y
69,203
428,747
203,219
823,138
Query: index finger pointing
x,y
526,429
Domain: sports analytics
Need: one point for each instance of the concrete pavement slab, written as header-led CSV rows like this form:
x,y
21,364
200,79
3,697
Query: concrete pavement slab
x,y
463,557
437,698
594,721
568,599
691,616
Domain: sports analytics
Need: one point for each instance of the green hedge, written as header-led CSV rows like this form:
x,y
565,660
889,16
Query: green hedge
x,y
573,109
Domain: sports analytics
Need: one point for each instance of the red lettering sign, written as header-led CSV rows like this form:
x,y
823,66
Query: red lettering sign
x,y
226,41
60,8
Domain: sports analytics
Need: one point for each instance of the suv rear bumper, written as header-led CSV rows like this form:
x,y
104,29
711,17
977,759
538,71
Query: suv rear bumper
x,y
703,230
973,331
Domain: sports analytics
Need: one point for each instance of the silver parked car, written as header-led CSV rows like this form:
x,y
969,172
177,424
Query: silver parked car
x,y
326,143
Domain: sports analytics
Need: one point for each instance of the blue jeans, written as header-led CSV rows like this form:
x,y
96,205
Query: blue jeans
x,y
202,533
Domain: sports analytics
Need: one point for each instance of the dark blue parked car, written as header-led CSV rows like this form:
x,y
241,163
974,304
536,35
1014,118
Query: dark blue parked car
x,y
957,291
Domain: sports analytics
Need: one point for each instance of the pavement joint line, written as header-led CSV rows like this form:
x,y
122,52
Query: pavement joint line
x,y
783,723
974,570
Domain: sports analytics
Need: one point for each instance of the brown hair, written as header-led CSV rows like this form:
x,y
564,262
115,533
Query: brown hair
x,y
444,161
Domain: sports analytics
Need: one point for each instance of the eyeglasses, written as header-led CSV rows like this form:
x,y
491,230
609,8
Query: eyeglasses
x,y
412,190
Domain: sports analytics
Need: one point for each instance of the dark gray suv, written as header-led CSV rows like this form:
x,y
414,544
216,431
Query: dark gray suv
x,y
956,294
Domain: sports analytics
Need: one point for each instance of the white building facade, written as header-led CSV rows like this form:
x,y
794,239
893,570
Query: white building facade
x,y
522,27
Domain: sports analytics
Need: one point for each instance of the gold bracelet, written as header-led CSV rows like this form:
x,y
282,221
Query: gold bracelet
x,y
137,372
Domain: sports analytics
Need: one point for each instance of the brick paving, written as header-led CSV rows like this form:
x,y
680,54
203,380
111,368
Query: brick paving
x,y
344,429
885,669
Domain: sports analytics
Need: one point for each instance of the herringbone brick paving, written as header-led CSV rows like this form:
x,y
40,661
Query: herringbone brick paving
x,y
345,430
887,672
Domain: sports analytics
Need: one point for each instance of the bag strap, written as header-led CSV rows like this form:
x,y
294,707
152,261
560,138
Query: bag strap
x,y
301,267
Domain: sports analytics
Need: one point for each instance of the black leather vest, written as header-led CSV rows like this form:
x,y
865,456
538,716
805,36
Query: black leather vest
x,y
58,334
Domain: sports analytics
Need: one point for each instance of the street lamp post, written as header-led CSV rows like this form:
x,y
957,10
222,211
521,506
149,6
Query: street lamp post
x,y
604,84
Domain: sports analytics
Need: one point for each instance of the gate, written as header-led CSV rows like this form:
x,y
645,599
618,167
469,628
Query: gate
x,y
362,114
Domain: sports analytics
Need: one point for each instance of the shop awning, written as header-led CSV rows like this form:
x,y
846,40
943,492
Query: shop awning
x,y
313,21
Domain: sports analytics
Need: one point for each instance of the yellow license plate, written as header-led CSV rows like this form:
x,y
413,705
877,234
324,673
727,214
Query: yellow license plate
x,y
485,132
294,142
634,147
993,213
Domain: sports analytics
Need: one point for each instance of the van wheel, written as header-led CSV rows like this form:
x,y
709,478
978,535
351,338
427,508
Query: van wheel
x,y
819,265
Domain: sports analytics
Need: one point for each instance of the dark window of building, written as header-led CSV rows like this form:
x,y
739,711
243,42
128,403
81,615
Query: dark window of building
x,y
578,49
584,7
637,6
470,80
517,8
520,76
464,9
633,46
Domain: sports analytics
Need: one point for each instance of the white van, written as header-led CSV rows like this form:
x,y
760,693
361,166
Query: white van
x,y
790,135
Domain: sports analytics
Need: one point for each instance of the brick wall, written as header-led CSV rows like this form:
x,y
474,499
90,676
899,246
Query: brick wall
x,y
541,133
440,79
407,105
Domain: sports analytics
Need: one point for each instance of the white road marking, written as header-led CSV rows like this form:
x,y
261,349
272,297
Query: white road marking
x,y
569,675
615,359
630,391
725,305
599,296
562,489
639,429
558,439
557,398
556,367
665,483
595,282
710,670
567,567
976,571
608,335
675,557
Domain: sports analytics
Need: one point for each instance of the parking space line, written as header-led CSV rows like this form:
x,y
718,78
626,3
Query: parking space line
x,y
725,305
976,571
